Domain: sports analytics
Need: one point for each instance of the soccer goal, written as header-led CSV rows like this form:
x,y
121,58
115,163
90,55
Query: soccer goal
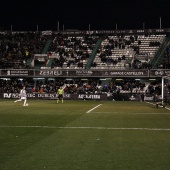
x,y
163,87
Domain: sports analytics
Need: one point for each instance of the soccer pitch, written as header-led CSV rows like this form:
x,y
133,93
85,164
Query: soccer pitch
x,y
83,135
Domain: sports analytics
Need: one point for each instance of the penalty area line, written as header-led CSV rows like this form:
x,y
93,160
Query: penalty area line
x,y
93,108
158,106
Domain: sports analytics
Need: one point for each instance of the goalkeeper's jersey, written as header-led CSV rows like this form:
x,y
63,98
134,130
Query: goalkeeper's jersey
x,y
23,93
60,91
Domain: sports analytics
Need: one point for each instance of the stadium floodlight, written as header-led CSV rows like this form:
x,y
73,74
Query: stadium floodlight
x,y
160,22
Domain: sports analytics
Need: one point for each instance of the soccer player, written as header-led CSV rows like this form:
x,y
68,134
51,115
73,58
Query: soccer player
x,y
60,93
23,96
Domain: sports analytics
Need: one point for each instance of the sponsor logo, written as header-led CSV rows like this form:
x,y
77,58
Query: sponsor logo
x,y
46,32
31,95
8,73
51,95
46,95
159,73
66,95
132,98
130,73
6,95
81,96
160,30
106,73
140,30
84,72
148,98
16,95
10,95
17,72
121,31
50,72
3,32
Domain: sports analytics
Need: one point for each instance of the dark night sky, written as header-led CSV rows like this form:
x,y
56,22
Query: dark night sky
x,y
78,14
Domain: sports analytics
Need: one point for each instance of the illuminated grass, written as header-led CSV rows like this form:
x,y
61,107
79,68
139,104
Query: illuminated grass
x,y
115,135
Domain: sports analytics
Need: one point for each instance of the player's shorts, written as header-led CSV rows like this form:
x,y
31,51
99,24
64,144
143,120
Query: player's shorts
x,y
23,98
60,96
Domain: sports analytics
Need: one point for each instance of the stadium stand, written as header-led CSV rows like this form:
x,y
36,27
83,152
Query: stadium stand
x,y
17,49
123,52
83,51
71,51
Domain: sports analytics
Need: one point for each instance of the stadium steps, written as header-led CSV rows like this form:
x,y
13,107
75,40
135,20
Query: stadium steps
x,y
45,50
29,63
50,61
93,54
158,56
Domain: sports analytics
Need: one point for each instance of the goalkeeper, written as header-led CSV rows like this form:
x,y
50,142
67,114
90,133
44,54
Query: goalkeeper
x,y
60,94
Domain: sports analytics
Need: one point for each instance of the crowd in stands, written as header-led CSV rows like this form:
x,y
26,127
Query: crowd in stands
x,y
165,63
68,50
17,47
90,86
131,86
73,51
128,51
14,85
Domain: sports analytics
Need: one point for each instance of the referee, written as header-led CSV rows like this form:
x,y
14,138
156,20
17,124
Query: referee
x,y
60,93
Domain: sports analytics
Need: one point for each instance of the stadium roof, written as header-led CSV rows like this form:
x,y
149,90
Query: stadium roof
x,y
84,14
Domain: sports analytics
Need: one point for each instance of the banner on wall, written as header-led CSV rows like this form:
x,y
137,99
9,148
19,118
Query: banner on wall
x,y
17,73
84,73
159,72
53,96
72,73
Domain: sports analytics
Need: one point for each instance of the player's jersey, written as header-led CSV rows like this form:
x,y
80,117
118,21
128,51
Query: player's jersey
x,y
23,93
60,91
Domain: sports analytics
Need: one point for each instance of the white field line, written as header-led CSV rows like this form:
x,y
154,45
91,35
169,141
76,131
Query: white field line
x,y
105,112
135,113
167,108
93,108
158,106
97,128
151,113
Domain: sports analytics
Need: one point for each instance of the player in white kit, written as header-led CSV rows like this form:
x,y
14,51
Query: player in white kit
x,y
23,96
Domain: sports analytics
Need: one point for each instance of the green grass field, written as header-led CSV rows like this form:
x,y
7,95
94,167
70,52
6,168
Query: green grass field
x,y
83,135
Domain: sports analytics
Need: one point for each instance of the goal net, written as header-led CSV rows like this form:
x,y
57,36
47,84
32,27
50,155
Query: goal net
x,y
165,89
